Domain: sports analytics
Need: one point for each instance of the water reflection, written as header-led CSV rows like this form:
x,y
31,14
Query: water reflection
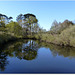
x,y
60,51
3,60
28,49
23,50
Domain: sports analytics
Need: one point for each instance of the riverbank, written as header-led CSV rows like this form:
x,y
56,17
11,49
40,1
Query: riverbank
x,y
44,37
66,38
5,38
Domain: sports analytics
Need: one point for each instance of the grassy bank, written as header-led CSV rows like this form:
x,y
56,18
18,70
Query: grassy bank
x,y
66,38
62,39
4,38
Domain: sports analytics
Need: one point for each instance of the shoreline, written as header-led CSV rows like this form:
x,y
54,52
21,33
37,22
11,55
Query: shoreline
x,y
13,38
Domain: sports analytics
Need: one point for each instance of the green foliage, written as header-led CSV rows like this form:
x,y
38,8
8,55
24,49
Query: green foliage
x,y
2,29
68,36
57,28
27,27
2,24
28,22
14,27
5,38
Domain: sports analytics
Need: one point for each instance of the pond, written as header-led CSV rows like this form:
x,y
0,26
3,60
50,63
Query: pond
x,y
31,56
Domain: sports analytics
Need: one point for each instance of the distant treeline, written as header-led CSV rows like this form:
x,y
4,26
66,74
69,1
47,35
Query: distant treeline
x,y
26,26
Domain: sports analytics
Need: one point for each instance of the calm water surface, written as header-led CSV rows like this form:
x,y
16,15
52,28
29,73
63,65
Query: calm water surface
x,y
29,56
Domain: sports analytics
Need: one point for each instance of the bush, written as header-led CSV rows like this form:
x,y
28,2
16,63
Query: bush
x,y
14,27
68,36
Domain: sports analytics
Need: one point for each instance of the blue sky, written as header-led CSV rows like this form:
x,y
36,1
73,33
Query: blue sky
x,y
45,11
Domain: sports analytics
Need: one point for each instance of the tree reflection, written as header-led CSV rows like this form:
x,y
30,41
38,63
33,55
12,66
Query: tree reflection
x,y
3,60
61,51
26,50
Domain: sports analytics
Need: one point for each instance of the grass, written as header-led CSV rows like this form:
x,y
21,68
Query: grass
x,y
4,37
66,38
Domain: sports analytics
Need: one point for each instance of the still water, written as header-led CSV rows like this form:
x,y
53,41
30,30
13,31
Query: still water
x,y
30,56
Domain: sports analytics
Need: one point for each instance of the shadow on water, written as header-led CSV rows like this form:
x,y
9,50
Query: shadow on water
x,y
27,50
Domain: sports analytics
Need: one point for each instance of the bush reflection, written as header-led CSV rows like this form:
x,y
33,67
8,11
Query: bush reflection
x,y
27,50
